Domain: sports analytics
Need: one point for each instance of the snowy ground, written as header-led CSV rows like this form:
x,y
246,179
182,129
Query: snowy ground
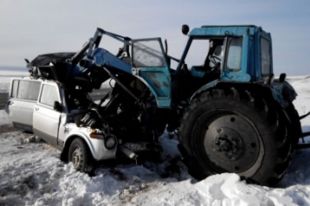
x,y
6,75
32,174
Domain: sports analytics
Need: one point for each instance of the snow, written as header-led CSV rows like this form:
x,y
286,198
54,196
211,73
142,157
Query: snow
x,y
32,174
302,103
4,119
4,84
6,75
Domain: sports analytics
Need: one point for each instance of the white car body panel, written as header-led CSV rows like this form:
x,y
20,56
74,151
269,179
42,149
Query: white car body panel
x,y
54,126
96,146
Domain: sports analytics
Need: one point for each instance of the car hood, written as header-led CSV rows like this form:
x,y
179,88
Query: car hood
x,y
46,59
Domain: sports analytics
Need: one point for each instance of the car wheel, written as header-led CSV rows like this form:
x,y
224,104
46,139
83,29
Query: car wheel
x,y
80,156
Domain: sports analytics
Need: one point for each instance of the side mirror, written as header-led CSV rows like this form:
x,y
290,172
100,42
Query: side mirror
x,y
58,106
185,29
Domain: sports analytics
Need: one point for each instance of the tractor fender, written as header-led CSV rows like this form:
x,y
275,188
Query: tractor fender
x,y
280,93
204,88
283,93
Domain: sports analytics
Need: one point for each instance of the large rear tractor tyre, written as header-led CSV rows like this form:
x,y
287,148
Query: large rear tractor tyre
x,y
234,131
80,156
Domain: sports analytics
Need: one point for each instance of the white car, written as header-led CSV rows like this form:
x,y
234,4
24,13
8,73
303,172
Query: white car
x,y
44,108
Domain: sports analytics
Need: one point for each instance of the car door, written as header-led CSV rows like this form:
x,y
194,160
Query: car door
x,y
46,120
22,98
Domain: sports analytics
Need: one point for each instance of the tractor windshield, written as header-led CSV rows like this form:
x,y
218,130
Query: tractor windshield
x,y
148,53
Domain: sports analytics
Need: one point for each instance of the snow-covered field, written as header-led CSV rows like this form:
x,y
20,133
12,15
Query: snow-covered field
x,y
32,174
7,73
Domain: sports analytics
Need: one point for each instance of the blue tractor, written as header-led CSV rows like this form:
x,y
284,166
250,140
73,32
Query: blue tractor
x,y
228,112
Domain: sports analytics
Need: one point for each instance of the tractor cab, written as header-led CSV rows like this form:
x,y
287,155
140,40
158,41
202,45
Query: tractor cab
x,y
228,53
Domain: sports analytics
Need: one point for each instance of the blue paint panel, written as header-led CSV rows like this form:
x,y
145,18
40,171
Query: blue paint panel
x,y
223,30
236,76
197,72
103,57
159,82
241,75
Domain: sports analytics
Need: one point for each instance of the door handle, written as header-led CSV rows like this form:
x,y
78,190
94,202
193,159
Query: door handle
x,y
36,109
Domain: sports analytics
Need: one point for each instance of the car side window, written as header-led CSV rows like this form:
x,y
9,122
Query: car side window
x,y
25,89
49,95
14,90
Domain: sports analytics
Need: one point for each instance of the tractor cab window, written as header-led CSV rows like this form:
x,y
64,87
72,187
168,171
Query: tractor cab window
x,y
205,54
197,53
215,54
234,53
265,56
148,53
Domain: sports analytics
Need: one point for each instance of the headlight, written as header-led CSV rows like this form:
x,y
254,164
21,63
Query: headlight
x,y
110,142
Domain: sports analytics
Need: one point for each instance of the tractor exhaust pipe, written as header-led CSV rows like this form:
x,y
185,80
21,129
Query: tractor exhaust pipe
x,y
128,153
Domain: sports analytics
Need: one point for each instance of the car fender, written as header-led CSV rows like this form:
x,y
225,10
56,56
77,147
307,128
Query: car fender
x,y
96,146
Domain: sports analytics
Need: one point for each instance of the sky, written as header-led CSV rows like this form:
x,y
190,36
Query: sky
x,y
32,27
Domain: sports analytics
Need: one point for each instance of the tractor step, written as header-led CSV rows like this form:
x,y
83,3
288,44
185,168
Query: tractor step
x,y
128,153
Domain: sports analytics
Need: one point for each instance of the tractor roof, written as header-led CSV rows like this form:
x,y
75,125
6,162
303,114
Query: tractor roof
x,y
234,30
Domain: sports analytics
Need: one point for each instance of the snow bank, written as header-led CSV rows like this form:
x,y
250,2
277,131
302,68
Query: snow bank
x,y
5,84
6,74
32,174
4,119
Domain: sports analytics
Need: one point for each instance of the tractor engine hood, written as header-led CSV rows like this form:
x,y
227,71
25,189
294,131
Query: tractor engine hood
x,y
46,59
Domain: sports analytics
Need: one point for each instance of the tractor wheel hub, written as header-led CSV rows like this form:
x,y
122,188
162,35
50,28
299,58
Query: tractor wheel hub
x,y
229,143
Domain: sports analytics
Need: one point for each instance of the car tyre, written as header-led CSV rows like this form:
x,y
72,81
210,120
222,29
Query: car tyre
x,y
80,156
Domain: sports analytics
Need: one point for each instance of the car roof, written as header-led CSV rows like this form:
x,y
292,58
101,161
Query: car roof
x,y
33,79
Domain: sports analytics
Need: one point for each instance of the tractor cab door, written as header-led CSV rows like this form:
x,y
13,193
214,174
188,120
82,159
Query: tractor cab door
x,y
150,66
